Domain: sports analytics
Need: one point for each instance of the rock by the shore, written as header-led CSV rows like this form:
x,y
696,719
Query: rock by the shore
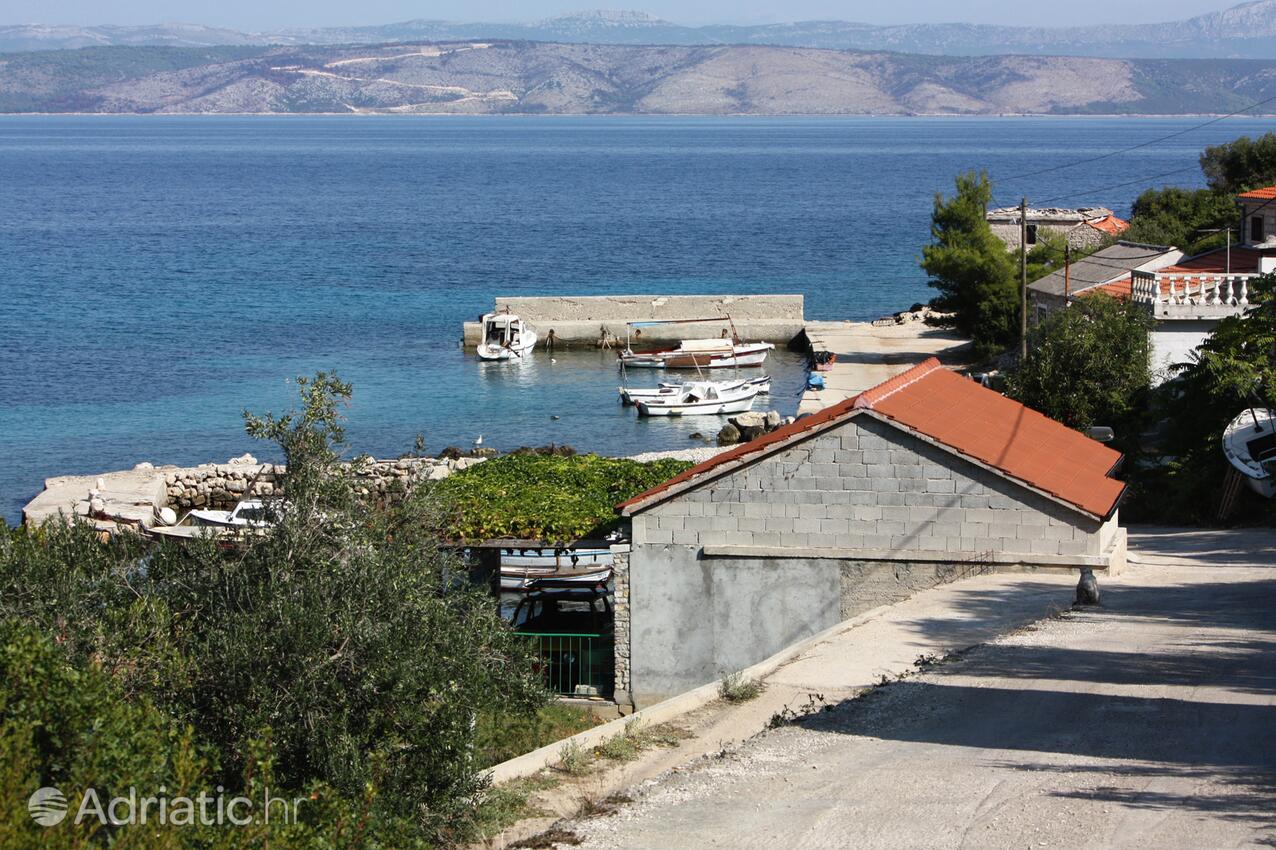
x,y
729,435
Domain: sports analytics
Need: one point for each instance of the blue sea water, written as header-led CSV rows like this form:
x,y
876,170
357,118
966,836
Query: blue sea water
x,y
158,275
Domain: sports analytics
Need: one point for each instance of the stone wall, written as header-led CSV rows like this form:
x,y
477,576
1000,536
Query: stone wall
x,y
868,487
620,610
221,485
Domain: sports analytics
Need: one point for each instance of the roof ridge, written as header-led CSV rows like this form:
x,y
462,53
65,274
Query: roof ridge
x,y
890,386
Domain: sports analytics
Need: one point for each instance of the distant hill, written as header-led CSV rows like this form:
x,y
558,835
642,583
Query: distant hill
x,y
1244,31
540,77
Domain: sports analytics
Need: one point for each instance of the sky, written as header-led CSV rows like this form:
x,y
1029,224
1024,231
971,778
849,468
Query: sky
x,y
256,15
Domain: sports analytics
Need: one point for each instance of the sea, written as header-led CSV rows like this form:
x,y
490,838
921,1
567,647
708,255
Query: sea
x,y
159,275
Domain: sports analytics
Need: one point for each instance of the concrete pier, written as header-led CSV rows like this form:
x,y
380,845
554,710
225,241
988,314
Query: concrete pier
x,y
587,319
868,354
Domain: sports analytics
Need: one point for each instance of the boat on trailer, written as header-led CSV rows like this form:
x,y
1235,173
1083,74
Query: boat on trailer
x,y
700,398
505,337
586,566
1249,442
712,353
670,389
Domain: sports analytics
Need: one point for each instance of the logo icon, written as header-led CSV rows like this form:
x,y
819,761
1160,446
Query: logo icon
x,y
47,806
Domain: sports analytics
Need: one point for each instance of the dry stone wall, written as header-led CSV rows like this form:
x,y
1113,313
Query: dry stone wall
x,y
222,485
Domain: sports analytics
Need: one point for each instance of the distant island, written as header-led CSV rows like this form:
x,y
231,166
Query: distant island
x,y
505,76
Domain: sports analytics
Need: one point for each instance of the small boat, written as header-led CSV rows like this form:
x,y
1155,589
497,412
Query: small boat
x,y
700,398
505,337
699,354
521,567
668,389
250,513
1249,442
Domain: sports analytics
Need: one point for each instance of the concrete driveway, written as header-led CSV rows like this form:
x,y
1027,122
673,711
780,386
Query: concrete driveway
x,y
1148,722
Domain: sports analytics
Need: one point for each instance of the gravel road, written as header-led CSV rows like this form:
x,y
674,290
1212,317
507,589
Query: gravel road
x,y
1148,722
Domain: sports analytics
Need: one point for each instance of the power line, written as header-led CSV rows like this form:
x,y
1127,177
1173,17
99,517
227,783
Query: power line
x,y
1148,143
1117,185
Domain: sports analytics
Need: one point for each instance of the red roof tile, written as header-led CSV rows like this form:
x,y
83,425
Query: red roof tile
x,y
1121,290
1110,225
1264,194
968,419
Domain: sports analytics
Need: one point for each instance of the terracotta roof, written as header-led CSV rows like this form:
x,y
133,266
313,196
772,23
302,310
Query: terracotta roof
x,y
1244,261
1121,290
1110,225
967,419
1266,193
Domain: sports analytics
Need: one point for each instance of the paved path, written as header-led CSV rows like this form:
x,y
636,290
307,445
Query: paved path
x,y
868,355
1149,722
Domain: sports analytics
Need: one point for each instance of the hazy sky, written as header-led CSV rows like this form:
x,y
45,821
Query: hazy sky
x,y
255,14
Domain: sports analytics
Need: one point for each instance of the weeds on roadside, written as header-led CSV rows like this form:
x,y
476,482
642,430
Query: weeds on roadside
x,y
573,759
736,687
505,805
627,745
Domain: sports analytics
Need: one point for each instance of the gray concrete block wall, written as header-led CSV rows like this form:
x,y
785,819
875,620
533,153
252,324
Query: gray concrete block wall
x,y
868,485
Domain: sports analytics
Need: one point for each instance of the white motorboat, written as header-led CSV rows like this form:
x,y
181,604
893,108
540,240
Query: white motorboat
x,y
700,398
1249,442
670,389
250,513
521,567
505,337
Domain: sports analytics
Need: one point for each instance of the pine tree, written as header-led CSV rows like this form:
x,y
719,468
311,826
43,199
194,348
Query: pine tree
x,y
971,268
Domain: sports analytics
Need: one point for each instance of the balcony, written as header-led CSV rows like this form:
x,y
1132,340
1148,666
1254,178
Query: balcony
x,y
1191,296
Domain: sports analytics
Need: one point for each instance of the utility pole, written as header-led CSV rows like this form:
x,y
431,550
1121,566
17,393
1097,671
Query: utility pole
x,y
1023,279
1067,272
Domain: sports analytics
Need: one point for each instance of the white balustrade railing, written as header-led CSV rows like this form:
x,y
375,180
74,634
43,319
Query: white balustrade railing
x,y
1187,290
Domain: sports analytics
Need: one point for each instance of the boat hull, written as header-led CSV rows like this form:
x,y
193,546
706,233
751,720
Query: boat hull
x,y
631,396
1249,442
710,407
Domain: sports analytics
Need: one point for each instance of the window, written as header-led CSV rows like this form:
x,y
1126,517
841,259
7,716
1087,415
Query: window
x,y
1032,234
1256,229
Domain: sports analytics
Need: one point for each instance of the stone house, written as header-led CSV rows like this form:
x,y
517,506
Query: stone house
x,y
925,478
1085,227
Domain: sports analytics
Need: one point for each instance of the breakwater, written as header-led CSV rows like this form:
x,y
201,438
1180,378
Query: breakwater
x,y
601,319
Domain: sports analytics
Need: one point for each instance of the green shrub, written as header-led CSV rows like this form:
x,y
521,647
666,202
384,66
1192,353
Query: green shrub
x,y
736,687
544,497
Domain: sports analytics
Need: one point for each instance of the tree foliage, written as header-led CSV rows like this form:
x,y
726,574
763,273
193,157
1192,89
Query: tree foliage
x,y
1233,370
1087,365
544,497
971,268
337,645
1241,164
1181,218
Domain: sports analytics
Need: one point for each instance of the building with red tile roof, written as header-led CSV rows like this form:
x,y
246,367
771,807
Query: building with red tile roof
x,y
921,479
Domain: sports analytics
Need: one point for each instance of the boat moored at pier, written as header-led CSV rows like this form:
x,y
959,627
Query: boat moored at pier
x,y
505,337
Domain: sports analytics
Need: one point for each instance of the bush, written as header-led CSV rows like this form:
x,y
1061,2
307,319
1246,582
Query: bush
x,y
544,497
1087,365
336,647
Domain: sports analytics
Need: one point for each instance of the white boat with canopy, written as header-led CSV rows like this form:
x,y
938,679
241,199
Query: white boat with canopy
x,y
712,353
505,337
1249,442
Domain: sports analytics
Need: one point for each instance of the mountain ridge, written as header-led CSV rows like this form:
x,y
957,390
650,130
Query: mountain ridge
x,y
1247,30
471,77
